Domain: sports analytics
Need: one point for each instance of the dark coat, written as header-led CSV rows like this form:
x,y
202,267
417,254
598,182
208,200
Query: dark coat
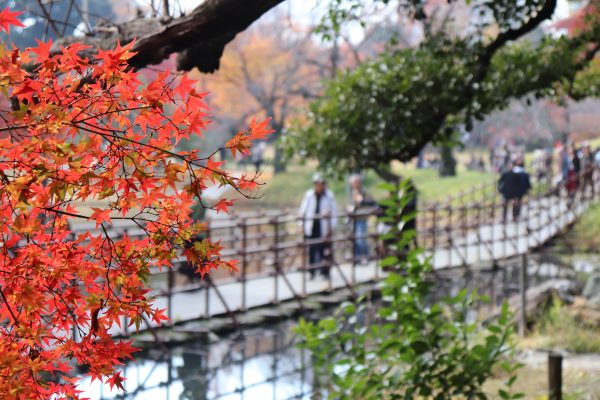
x,y
514,184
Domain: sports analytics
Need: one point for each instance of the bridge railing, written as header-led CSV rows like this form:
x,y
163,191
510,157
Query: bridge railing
x,y
273,254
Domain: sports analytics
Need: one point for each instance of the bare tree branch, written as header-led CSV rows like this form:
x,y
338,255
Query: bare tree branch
x,y
48,17
545,13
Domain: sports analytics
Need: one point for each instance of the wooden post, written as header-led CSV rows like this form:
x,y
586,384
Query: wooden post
x,y
205,282
449,233
276,272
554,376
303,248
493,293
434,227
244,260
206,298
353,244
523,296
170,285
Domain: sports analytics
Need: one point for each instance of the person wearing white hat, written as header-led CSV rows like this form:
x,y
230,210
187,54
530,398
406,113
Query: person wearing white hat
x,y
318,217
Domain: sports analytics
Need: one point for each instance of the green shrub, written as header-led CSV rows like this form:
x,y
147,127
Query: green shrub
x,y
414,348
560,329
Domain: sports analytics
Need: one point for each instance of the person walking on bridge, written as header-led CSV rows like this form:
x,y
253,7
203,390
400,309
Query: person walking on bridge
x,y
361,205
318,217
513,186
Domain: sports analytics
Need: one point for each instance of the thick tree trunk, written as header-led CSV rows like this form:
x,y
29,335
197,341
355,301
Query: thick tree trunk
x,y
387,175
279,165
447,161
199,37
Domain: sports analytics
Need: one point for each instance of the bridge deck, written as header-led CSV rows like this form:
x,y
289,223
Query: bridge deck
x,y
542,219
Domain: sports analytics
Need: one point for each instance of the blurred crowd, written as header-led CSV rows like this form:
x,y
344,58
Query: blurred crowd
x,y
553,164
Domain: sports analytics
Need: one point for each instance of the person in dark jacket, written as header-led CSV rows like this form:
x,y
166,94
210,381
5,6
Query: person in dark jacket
x,y
576,159
513,185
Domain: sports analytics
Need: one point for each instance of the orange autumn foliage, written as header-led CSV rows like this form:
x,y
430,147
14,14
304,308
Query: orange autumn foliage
x,y
84,130
268,70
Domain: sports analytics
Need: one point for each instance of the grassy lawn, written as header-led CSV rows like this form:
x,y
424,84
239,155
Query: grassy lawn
x,y
578,382
433,187
559,329
584,237
286,190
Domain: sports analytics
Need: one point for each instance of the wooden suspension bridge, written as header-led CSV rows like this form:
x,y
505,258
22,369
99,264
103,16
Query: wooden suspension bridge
x,y
458,233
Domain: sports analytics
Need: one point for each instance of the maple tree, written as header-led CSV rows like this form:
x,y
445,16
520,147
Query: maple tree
x,y
266,71
80,130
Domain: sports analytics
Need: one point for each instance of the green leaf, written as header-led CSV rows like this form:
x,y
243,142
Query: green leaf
x,y
420,346
388,261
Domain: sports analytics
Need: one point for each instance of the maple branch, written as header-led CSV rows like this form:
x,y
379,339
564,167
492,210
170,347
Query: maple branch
x,y
13,128
229,180
8,307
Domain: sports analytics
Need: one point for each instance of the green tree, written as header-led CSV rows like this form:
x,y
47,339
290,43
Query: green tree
x,y
391,106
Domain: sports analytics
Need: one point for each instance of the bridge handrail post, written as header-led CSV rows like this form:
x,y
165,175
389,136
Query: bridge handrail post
x,y
205,283
275,222
492,206
434,225
244,227
523,296
478,226
170,284
526,206
259,238
505,206
424,223
206,299
353,240
303,249
556,198
449,232
464,222
594,180
563,199
543,198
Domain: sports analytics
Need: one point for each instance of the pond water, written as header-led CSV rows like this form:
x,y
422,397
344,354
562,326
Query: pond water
x,y
264,363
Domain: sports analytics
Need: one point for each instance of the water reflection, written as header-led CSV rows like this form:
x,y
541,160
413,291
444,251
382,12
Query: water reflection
x,y
262,364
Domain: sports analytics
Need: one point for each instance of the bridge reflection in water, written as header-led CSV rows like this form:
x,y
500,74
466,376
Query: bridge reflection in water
x,y
263,364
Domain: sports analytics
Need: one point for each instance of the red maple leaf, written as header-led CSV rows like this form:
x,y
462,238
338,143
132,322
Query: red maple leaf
x,y
42,50
110,140
259,130
223,205
116,380
8,18
100,215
